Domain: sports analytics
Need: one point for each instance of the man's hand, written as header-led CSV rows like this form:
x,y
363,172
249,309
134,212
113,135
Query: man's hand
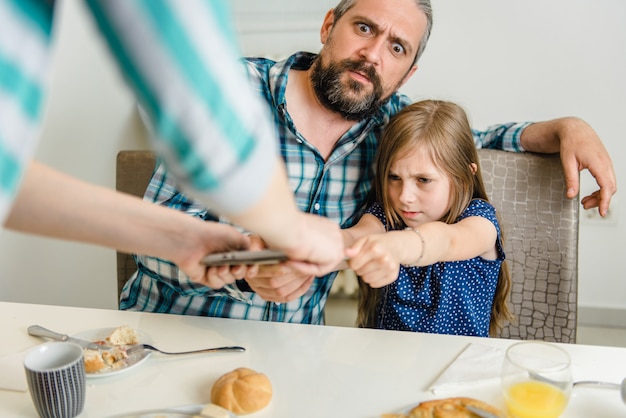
x,y
319,252
280,282
580,148
275,283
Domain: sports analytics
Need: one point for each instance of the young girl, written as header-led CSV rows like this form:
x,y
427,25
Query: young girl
x,y
429,251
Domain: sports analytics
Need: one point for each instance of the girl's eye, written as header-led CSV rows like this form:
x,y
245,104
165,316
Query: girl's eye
x,y
393,177
423,180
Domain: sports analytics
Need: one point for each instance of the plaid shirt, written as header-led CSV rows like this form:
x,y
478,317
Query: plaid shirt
x,y
336,188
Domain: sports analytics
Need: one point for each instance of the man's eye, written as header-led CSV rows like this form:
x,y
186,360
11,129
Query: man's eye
x,y
398,49
363,28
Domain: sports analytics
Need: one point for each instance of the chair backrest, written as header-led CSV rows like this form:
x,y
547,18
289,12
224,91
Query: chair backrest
x,y
132,175
541,242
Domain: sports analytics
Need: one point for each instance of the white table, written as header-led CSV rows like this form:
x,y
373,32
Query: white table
x,y
316,371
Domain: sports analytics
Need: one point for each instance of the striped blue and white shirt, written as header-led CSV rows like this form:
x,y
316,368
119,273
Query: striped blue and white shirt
x,y
182,61
336,188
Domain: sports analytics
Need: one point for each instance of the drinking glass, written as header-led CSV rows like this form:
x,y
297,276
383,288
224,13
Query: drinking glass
x,y
536,380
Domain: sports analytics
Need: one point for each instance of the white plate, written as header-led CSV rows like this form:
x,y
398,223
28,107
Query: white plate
x,y
100,334
176,412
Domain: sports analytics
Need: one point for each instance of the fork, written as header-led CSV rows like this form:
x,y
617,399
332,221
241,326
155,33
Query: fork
x,y
599,384
136,348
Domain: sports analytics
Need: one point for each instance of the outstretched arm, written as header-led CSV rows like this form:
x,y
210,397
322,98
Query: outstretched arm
x,y
376,258
580,148
53,204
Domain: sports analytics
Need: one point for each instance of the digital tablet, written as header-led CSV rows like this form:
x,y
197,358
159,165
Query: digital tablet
x,y
232,258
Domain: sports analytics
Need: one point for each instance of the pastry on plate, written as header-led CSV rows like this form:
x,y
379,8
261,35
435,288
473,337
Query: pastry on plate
x,y
114,358
123,335
448,408
94,362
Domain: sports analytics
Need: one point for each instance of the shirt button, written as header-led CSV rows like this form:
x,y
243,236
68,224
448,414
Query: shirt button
x,y
317,206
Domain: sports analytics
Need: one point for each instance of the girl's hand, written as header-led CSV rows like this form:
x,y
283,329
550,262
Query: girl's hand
x,y
372,258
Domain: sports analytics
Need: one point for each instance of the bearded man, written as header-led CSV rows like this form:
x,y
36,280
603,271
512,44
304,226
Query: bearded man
x,y
330,111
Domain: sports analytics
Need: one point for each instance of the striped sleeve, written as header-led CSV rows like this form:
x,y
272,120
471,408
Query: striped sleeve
x,y
25,31
182,61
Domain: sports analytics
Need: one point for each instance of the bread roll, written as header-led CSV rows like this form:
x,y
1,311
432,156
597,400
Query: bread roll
x,y
242,391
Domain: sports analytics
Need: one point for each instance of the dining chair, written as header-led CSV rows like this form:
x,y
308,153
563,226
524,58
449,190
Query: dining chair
x,y
133,171
540,226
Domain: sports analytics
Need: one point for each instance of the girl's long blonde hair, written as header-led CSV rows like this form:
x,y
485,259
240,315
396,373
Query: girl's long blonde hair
x,y
443,131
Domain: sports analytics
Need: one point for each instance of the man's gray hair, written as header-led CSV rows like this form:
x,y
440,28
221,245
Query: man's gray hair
x,y
423,5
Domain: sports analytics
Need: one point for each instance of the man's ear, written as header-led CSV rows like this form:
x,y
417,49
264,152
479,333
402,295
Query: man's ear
x,y
408,75
327,25
474,168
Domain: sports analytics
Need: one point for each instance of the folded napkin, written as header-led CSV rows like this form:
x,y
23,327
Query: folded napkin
x,y
12,375
476,364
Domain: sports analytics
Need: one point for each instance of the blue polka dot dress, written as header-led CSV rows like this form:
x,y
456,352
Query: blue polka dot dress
x,y
447,297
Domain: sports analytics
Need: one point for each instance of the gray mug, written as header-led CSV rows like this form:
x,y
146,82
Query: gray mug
x,y
55,373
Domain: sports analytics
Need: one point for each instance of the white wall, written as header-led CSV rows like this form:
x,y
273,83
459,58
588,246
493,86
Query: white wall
x,y
503,61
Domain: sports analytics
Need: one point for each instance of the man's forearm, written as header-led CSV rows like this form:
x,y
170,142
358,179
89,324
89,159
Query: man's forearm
x,y
544,137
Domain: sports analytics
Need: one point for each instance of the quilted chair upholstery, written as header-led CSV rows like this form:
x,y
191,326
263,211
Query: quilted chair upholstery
x,y
541,242
132,175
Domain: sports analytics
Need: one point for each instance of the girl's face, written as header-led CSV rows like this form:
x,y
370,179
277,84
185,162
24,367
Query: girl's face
x,y
418,191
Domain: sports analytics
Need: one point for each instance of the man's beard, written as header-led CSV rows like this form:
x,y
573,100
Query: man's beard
x,y
347,100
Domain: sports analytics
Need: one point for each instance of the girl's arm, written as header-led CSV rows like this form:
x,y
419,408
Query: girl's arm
x,y
377,258
367,225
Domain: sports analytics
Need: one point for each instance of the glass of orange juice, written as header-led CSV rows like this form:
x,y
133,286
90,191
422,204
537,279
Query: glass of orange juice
x,y
536,380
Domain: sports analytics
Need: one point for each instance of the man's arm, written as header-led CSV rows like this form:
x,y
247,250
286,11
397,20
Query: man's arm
x,y
580,148
579,145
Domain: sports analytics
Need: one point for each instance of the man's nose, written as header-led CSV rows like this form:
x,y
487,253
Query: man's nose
x,y
372,50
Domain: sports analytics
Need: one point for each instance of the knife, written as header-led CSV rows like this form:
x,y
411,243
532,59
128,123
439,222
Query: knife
x,y
480,412
39,331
